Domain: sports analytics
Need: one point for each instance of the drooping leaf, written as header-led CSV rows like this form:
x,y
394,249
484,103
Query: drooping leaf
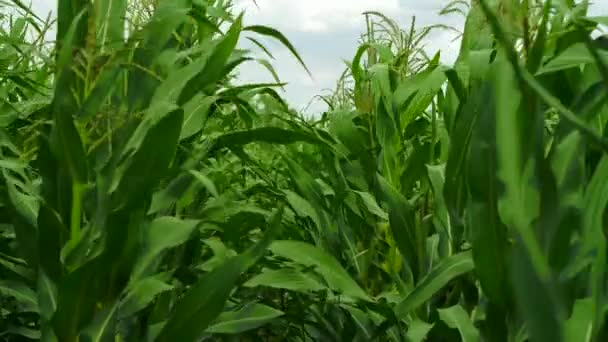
x,y
418,331
221,254
273,135
286,278
25,297
206,182
573,57
251,316
270,32
141,293
457,318
447,270
334,274
371,205
196,112
160,235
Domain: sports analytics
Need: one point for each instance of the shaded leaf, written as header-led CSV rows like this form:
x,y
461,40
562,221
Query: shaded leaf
x,y
286,278
447,270
251,316
457,318
308,255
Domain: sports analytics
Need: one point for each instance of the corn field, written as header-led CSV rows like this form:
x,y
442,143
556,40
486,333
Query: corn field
x,y
146,194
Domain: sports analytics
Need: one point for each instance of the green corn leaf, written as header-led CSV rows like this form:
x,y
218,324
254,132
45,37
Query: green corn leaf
x,y
102,89
26,205
157,112
169,89
447,270
286,278
488,234
52,236
356,62
420,90
30,334
141,294
361,319
418,331
205,300
196,112
259,44
273,135
137,175
171,194
302,207
24,222
66,11
102,328
334,274
403,229
161,234
70,144
242,221
16,266
457,318
206,182
531,275
343,128
221,254
525,78
47,296
217,62
573,57
77,294
454,191
595,204
275,76
270,32
26,299
250,317
153,38
372,206
531,291
436,175
579,327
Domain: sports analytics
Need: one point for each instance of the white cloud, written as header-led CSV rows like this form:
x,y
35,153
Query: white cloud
x,y
314,15
598,8
43,7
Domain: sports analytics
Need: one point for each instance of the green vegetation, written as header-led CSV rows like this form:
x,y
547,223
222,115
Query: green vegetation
x,y
147,195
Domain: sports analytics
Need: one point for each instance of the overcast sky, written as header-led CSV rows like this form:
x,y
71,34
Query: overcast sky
x,y
325,32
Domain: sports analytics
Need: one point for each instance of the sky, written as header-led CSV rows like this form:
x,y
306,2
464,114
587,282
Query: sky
x,y
326,32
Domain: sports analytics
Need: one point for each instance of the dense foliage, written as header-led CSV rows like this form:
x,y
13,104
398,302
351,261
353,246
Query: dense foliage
x,y
147,195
